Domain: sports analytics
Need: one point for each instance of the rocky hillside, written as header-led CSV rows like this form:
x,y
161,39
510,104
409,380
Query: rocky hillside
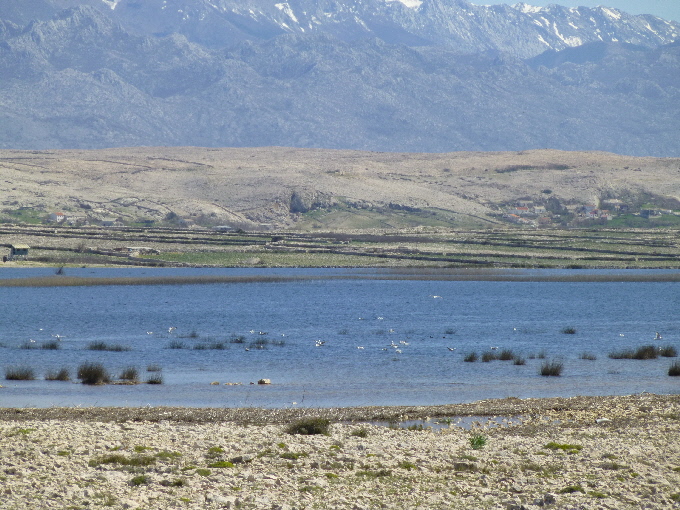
x,y
436,76
306,189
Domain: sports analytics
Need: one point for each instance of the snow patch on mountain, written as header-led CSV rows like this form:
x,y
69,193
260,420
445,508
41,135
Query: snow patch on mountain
x,y
411,4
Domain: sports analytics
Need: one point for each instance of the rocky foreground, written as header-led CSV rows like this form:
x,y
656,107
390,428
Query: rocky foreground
x,y
581,453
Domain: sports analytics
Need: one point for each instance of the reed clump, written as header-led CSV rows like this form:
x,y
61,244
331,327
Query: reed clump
x,y
93,373
130,374
470,357
674,369
19,374
552,368
63,374
103,346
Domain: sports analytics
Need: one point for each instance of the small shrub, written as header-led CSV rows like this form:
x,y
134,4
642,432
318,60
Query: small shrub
x,y
63,374
19,374
569,331
588,356
173,483
130,374
310,426
140,480
93,373
674,369
470,357
551,368
571,489
477,442
668,352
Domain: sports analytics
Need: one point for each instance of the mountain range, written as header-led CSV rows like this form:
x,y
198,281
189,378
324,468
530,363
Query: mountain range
x,y
409,76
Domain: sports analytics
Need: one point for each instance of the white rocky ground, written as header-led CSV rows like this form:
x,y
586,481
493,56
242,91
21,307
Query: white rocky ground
x,y
621,453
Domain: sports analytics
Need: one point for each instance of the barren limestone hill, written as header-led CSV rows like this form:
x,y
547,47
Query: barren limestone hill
x,y
331,189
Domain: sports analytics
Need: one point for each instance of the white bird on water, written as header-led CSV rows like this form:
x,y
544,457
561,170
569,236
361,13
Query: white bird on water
x,y
171,329
658,336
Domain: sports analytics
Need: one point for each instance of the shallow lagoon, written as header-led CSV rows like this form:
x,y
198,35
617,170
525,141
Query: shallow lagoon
x,y
358,315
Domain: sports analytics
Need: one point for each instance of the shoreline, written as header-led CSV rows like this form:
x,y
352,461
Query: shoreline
x,y
586,406
567,453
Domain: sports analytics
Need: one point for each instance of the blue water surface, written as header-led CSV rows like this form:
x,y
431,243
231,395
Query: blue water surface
x,y
332,342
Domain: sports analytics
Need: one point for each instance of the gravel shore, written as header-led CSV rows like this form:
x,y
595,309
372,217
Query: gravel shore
x,y
572,453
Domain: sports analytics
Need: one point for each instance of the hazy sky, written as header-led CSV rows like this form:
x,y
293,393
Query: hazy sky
x,y
667,9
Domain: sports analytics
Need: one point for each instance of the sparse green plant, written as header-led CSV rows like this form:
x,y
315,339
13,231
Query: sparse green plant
x,y
293,455
203,472
478,441
597,494
140,480
93,373
371,475
19,374
63,374
362,432
177,482
470,357
404,464
310,426
569,448
215,451
221,464
130,374
551,368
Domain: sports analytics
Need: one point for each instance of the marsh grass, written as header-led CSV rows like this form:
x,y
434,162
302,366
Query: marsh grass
x,y
587,356
518,360
129,374
155,378
674,369
63,374
506,355
489,356
103,346
643,353
28,345
52,345
668,351
19,374
552,368
470,357
153,368
176,344
569,330
93,373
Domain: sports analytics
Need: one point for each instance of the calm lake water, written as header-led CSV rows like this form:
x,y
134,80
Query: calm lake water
x,y
385,341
